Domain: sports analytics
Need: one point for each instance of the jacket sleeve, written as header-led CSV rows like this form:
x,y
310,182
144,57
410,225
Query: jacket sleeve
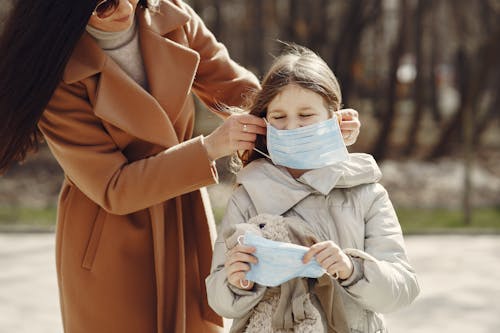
x,y
226,300
388,282
219,80
95,164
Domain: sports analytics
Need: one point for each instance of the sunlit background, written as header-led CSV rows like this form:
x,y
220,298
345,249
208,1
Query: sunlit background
x,y
424,76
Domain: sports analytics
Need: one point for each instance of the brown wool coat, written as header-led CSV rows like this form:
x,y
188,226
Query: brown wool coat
x,y
134,235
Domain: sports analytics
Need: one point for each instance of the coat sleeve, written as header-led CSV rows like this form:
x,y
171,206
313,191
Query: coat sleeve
x,y
388,282
219,79
94,163
226,300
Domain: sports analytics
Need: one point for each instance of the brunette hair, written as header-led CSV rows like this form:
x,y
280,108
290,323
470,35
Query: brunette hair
x,y
296,65
35,46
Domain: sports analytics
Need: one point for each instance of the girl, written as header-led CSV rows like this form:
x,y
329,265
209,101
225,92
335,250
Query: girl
x,y
359,240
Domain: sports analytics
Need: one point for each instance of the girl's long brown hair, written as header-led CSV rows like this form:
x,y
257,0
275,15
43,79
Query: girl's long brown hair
x,y
297,65
35,46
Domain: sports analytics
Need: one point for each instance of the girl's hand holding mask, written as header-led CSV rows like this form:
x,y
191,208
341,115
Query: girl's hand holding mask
x,y
237,264
331,257
349,125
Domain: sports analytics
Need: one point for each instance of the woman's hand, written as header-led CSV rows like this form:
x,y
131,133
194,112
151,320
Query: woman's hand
x,y
238,132
331,257
237,263
350,125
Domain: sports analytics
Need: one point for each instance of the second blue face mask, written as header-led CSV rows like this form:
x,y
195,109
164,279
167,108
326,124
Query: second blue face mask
x,y
279,262
309,147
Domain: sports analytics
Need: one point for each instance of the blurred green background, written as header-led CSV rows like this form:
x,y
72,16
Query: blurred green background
x,y
424,76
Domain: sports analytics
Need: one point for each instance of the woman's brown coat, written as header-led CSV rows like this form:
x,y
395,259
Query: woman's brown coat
x,y
134,235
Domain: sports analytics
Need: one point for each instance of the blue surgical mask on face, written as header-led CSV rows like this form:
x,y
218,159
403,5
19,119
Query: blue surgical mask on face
x,y
279,262
309,147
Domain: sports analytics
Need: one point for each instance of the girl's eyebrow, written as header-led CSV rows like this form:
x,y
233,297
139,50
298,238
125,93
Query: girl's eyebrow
x,y
275,110
306,108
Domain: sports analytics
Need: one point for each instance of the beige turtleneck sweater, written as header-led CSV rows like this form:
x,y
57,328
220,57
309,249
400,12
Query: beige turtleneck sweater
x,y
123,47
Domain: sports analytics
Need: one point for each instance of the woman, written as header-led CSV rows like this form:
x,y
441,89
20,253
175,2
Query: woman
x,y
109,84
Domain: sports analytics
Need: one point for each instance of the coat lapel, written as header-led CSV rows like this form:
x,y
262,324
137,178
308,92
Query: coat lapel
x,y
123,103
170,69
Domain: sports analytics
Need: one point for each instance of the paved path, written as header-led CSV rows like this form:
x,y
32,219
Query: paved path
x,y
459,276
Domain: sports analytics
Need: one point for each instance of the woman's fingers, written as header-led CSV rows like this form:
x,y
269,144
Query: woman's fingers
x,y
246,137
237,132
252,129
254,124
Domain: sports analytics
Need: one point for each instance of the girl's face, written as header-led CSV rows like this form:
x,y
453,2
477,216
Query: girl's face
x,y
295,107
120,19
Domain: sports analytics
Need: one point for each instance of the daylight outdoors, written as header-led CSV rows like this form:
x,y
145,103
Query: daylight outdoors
x,y
424,76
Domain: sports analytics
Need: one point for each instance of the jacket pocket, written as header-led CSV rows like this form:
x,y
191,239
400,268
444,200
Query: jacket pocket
x,y
93,243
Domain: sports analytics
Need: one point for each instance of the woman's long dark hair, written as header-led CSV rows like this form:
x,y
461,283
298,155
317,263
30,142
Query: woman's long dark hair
x,y
37,41
35,46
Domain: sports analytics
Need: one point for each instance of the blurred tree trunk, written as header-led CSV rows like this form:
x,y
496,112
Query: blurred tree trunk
x,y
218,24
418,111
254,36
319,27
435,45
388,116
293,18
347,47
197,6
492,110
473,80
486,120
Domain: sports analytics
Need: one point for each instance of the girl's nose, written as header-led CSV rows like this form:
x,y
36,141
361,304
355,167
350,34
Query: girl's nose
x,y
292,124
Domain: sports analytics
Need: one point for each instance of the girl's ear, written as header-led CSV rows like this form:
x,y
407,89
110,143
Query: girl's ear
x,y
331,112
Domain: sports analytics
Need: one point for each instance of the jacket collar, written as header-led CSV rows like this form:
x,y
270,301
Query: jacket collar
x,y
274,191
170,69
88,58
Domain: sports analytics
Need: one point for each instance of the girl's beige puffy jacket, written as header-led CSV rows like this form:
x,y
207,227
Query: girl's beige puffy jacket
x,y
344,203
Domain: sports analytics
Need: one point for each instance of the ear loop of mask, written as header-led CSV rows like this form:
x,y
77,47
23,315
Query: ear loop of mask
x,y
242,285
262,153
258,150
